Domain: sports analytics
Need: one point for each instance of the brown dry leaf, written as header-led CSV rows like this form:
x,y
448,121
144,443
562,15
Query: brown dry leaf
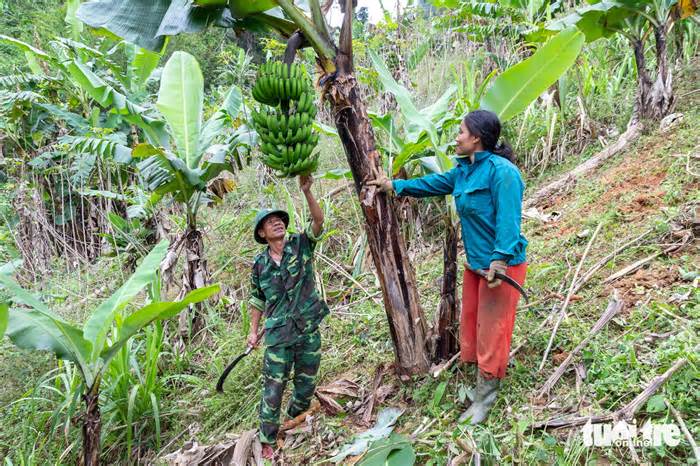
x,y
222,184
167,266
559,357
371,400
328,403
343,387
688,8
194,454
385,391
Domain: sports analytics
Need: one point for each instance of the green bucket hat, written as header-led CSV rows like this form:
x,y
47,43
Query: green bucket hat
x,y
262,215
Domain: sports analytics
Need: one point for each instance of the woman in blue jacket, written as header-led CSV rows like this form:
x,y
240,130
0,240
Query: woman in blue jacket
x,y
488,192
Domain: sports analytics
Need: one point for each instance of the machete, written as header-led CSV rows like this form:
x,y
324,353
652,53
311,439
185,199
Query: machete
x,y
229,368
506,279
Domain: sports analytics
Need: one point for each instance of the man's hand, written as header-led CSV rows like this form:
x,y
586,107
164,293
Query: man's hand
x,y
496,266
305,182
382,182
253,339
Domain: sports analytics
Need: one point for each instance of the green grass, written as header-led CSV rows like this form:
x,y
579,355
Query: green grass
x,y
356,337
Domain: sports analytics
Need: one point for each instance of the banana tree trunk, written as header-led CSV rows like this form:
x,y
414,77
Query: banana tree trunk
x,y
195,275
654,97
396,275
448,315
642,104
92,427
662,99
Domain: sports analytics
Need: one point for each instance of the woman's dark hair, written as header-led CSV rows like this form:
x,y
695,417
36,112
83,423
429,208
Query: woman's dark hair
x,y
487,127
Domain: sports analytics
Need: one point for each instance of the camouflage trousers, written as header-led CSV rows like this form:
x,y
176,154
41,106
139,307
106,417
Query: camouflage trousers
x,y
303,357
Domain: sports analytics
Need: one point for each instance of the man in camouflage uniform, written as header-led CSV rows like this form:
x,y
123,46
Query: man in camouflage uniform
x,y
284,292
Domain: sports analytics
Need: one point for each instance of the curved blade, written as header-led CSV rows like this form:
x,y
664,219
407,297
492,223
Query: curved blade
x,y
506,279
514,284
229,368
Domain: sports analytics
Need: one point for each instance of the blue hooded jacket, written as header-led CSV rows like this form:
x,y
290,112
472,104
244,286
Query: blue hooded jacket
x,y
488,195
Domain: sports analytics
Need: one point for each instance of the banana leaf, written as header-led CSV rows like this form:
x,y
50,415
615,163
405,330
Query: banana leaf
x,y
417,121
136,21
107,97
382,429
165,173
229,111
181,101
100,321
215,162
152,312
10,267
393,451
42,329
73,120
264,22
31,329
386,123
74,24
142,62
148,23
517,87
596,21
24,47
403,98
243,8
183,17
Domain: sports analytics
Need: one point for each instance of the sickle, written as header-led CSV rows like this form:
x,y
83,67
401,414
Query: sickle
x,y
229,368
506,279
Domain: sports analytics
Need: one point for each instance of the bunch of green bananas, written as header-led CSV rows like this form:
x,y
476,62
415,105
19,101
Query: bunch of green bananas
x,y
287,138
278,82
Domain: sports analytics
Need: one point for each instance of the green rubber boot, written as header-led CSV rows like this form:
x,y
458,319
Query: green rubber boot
x,y
484,398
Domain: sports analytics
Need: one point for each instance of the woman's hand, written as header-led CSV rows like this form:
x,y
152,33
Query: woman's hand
x,y
382,182
496,266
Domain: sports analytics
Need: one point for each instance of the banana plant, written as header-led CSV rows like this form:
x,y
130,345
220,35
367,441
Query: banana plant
x,y
87,110
635,20
418,132
74,62
194,160
32,325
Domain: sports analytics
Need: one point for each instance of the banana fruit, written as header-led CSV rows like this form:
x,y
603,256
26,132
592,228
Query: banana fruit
x,y
285,128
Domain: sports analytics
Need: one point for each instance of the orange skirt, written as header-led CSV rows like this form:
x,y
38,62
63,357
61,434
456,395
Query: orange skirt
x,y
487,320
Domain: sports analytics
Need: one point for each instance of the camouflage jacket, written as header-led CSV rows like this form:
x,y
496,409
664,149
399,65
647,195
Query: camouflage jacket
x,y
286,294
